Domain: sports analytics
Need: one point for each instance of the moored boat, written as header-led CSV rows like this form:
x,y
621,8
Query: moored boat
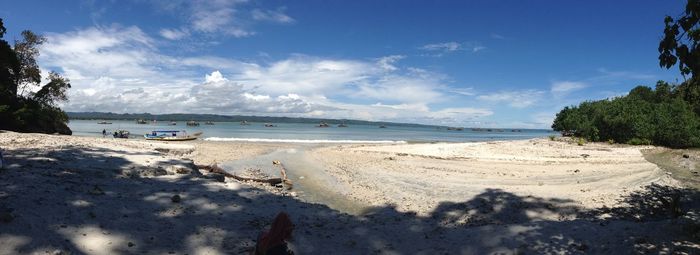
x,y
209,123
104,122
192,123
171,135
121,134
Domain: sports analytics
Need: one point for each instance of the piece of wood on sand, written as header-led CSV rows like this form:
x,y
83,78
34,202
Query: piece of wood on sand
x,y
283,172
214,168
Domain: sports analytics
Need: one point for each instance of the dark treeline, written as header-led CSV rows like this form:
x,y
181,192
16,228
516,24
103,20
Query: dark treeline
x,y
25,104
224,118
667,115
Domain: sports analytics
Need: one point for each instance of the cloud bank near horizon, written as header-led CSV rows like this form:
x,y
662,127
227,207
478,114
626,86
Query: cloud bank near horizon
x,y
121,69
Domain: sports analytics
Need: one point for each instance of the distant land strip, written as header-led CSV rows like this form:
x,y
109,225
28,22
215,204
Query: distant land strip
x,y
227,118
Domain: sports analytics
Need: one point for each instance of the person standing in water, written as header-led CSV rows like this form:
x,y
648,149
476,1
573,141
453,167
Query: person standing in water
x,y
274,241
104,133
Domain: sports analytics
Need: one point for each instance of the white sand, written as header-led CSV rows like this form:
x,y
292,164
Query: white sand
x,y
417,177
79,195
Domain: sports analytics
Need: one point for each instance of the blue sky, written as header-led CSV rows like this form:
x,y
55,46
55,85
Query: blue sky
x,y
461,63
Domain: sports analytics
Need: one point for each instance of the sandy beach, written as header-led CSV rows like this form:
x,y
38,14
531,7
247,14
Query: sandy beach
x,y
88,195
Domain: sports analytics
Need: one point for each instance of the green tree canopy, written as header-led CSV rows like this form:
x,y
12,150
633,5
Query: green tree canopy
x,y
680,44
22,109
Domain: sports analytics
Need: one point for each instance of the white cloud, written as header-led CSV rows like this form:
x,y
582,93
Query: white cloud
x,y
561,88
277,16
214,77
400,88
478,48
463,91
517,99
119,69
543,119
220,17
174,34
622,75
439,49
387,63
446,47
497,36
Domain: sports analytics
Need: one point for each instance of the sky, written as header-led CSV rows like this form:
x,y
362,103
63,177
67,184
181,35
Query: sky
x,y
458,63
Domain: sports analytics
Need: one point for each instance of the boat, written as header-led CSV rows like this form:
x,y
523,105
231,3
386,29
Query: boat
x,y
244,123
342,125
121,134
323,124
269,125
382,126
171,135
141,122
173,123
192,123
104,122
208,123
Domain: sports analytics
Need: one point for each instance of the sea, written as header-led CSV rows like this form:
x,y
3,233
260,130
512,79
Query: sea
x,y
308,132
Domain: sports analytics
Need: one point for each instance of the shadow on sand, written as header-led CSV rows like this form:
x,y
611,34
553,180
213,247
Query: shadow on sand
x,y
84,210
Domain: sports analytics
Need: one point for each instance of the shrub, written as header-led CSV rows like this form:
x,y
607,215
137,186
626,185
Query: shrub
x,y
552,137
639,141
580,141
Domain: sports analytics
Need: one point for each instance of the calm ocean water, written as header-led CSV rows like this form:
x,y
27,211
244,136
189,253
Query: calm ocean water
x,y
307,132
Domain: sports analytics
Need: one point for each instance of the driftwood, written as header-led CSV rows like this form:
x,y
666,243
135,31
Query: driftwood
x,y
283,172
216,169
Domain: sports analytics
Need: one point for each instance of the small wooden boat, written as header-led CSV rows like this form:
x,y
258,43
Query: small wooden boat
x,y
121,134
244,123
269,125
170,135
104,122
192,123
173,123
208,123
141,122
382,126
323,124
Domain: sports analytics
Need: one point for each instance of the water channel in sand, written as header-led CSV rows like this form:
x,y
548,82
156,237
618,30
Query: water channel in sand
x,y
311,183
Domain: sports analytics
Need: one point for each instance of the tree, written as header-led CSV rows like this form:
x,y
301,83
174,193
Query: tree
x,y
20,108
680,44
27,51
53,91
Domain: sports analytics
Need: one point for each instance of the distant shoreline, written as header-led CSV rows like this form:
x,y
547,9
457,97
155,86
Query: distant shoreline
x,y
256,119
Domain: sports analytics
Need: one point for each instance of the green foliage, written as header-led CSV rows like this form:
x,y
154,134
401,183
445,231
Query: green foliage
x,y
644,116
21,110
611,141
639,141
552,137
580,141
681,40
